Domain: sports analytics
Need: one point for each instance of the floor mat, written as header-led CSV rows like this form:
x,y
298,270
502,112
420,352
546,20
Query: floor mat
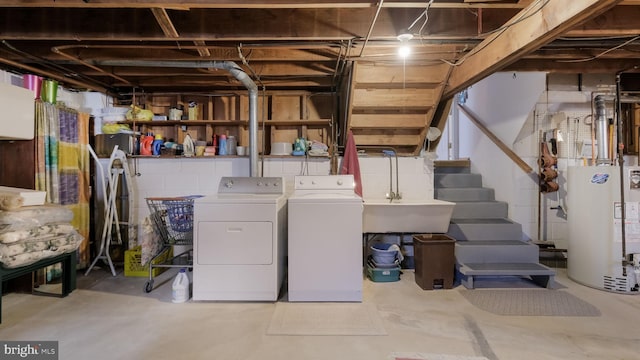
x,y
530,302
326,319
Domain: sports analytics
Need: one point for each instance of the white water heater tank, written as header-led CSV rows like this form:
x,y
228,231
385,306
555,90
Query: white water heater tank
x,y
594,255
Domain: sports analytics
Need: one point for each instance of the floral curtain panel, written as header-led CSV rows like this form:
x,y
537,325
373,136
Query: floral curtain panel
x,y
62,157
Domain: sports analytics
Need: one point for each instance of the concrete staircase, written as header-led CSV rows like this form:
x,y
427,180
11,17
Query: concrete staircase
x,y
488,243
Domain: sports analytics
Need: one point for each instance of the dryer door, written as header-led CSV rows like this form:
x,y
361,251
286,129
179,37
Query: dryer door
x,y
235,243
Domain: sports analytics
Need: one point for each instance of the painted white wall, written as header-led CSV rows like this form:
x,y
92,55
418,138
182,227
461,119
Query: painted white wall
x,y
10,78
415,177
519,109
89,101
201,176
503,102
171,177
512,106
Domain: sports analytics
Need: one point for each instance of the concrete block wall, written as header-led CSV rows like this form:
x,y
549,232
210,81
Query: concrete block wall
x,y
172,177
415,177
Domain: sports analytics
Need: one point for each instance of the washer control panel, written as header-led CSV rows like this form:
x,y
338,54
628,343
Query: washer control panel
x,y
251,185
324,182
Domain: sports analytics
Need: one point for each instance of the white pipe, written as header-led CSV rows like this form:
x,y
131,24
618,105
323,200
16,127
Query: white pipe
x,y
236,71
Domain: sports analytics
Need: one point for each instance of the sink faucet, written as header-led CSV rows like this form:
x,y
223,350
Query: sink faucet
x,y
391,195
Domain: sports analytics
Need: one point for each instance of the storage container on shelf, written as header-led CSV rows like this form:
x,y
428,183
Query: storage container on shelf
x,y
222,143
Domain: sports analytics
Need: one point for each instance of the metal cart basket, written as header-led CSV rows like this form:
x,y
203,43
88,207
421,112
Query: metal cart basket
x,y
172,218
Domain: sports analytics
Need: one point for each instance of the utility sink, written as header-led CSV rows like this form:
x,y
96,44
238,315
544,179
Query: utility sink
x,y
406,216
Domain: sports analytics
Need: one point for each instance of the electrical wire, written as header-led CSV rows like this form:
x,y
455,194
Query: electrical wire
x,y
425,13
304,170
602,53
597,38
244,60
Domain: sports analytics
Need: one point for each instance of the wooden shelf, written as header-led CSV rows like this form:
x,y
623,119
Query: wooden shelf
x,y
184,122
185,157
292,115
219,156
317,122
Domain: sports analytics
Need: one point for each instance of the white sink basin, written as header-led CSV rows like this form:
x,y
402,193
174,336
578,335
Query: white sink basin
x,y
406,216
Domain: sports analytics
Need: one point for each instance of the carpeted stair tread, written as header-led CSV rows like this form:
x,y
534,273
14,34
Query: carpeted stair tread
x,y
539,273
457,180
481,221
492,243
465,194
505,269
495,251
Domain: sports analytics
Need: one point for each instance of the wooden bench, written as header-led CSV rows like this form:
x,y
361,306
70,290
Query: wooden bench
x,y
68,261
539,273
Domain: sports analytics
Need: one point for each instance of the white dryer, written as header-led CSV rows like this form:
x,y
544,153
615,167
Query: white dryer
x,y
325,240
239,243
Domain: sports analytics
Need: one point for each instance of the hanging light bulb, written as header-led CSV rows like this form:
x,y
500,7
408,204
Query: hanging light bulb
x,y
404,50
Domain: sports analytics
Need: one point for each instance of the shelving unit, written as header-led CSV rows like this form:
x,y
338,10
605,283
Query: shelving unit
x,y
287,116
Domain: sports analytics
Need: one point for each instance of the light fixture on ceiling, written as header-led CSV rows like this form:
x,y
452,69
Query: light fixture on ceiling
x,y
404,50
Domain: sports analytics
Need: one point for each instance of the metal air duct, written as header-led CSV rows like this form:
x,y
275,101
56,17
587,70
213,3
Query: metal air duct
x,y
232,68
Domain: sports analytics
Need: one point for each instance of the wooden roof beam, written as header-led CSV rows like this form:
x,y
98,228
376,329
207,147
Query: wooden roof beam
x,y
169,30
190,4
165,23
527,31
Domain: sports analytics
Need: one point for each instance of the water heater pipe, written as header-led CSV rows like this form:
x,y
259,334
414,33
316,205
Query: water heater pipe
x,y
621,166
232,68
602,129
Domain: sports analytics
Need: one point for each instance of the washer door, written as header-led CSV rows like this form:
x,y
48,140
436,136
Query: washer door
x,y
235,243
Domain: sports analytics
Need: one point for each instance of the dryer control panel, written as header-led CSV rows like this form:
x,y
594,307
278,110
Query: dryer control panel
x,y
324,182
251,185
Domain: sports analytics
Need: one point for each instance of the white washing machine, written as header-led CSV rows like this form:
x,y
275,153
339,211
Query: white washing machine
x,y
325,240
239,243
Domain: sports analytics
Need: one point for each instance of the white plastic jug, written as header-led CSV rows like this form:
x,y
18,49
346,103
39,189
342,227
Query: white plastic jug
x,y
180,287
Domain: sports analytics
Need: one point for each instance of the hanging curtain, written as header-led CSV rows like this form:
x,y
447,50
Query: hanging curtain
x,y
47,132
62,157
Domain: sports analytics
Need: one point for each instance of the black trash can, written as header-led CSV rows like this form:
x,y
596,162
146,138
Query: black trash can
x,y
434,261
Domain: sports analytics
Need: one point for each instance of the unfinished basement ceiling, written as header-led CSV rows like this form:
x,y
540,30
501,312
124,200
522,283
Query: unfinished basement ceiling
x,y
305,45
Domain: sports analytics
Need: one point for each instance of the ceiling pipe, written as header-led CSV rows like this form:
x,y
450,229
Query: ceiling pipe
x,y
232,68
602,129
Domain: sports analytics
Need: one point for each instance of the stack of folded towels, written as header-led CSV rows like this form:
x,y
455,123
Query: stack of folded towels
x,y
318,149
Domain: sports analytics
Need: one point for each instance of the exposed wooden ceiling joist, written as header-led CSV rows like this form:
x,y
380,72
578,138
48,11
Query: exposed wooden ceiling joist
x,y
289,38
533,27
165,23
193,4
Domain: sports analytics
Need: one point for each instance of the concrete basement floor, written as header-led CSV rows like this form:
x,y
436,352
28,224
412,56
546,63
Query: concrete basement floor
x,y
112,318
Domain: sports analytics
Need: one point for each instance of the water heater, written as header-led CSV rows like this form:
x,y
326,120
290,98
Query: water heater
x,y
595,253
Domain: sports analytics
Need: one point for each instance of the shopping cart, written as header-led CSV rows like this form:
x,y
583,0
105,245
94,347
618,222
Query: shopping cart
x,y
172,218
